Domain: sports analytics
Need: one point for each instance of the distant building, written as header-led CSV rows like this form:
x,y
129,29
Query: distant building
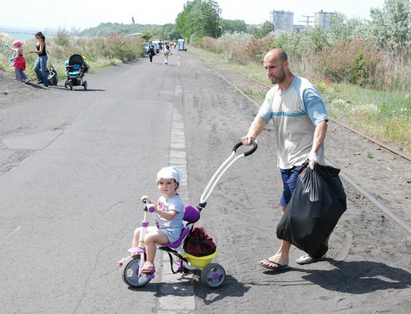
x,y
323,19
282,20
299,28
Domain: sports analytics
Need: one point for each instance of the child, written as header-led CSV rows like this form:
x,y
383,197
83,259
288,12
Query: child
x,y
170,213
19,62
166,52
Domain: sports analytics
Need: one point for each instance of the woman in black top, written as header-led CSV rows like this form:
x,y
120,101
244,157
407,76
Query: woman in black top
x,y
40,67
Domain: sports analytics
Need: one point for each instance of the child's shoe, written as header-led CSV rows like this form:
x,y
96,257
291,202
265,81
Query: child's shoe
x,y
148,268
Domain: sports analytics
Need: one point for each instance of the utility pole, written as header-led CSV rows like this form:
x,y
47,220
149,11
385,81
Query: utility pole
x,y
307,21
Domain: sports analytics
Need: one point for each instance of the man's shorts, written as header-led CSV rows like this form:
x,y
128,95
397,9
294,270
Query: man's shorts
x,y
289,178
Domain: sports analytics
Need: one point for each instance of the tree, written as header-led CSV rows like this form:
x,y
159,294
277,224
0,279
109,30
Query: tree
x,y
234,26
344,29
391,26
263,31
199,17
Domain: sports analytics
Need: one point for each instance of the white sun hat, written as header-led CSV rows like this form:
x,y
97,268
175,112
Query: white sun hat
x,y
170,173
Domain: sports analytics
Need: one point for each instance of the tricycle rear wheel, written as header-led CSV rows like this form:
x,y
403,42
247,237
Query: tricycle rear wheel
x,y
213,275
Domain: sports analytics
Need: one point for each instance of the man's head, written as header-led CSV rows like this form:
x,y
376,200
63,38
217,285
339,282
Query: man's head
x,y
276,65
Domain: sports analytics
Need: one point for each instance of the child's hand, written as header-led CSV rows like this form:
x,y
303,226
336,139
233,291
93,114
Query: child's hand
x,y
144,197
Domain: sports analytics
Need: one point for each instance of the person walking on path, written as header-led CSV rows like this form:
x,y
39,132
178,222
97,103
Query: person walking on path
x,y
166,52
19,62
300,125
151,51
40,67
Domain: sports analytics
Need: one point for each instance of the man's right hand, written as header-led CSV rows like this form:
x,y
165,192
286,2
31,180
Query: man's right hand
x,y
247,140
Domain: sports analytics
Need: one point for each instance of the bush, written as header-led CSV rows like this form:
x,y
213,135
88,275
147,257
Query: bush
x,y
352,62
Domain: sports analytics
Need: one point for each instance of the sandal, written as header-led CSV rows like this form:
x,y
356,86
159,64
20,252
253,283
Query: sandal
x,y
121,262
148,268
307,259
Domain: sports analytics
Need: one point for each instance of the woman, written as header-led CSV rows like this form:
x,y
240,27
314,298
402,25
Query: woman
x,y
40,67
151,51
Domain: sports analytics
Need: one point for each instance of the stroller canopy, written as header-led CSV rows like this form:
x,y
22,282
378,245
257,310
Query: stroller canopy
x,y
76,59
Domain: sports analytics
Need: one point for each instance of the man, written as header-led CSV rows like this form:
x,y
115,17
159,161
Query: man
x,y
300,124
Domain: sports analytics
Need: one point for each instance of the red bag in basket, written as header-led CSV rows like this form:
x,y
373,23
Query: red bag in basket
x,y
199,243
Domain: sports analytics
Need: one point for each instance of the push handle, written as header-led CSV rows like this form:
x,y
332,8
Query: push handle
x,y
248,153
223,168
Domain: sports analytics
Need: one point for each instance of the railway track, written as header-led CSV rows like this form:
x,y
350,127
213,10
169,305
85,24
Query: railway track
x,y
366,194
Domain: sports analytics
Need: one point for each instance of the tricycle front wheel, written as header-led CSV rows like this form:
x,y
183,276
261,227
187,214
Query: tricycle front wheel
x,y
130,272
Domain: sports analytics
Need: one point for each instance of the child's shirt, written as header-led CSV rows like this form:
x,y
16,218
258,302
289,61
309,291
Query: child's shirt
x,y
166,204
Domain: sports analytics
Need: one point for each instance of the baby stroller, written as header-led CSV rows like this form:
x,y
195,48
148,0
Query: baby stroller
x,y
52,76
76,66
212,274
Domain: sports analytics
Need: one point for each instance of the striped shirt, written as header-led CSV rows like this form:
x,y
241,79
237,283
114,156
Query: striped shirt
x,y
295,114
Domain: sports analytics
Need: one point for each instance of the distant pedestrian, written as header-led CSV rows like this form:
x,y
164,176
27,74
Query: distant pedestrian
x,y
40,67
151,51
19,63
166,52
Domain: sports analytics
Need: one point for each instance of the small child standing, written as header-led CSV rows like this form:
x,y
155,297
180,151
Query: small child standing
x,y
19,62
170,213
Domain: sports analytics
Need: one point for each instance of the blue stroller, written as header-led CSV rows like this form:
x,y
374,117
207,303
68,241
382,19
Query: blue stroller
x,y
76,66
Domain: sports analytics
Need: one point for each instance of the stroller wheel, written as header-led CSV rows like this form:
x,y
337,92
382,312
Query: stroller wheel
x,y
213,275
85,85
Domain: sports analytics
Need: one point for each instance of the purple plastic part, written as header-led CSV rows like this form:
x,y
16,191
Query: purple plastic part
x,y
191,213
151,208
137,250
180,265
215,276
144,223
150,276
176,244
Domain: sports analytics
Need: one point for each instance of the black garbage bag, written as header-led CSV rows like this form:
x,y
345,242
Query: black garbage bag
x,y
316,205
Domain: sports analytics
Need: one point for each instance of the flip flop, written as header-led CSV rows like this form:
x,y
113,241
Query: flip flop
x,y
302,260
278,268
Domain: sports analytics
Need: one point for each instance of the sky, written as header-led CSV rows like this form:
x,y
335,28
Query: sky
x,y
60,14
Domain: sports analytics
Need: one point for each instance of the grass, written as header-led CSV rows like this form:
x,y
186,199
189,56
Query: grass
x,y
382,115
